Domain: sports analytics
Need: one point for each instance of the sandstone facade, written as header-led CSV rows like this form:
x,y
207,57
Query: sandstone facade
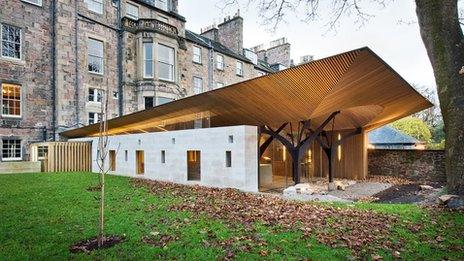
x,y
85,34
31,73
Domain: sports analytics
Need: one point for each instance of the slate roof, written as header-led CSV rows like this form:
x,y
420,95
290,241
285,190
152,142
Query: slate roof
x,y
264,66
390,135
218,47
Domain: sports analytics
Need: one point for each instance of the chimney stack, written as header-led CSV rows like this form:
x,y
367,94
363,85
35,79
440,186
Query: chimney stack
x,y
211,32
230,33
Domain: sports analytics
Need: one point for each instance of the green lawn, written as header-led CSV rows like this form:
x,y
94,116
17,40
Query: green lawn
x,y
41,215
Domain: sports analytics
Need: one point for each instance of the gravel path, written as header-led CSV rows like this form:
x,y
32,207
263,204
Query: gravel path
x,y
360,190
316,197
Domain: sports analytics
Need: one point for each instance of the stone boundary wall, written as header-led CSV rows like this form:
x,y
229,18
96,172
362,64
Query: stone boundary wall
x,y
416,165
20,167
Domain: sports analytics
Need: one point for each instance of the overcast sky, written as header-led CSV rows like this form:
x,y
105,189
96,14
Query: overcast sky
x,y
393,33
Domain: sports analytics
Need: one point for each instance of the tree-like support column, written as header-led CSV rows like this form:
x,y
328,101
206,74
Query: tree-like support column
x,y
330,147
295,144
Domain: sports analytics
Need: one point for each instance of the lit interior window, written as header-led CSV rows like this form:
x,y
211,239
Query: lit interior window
x,y
339,149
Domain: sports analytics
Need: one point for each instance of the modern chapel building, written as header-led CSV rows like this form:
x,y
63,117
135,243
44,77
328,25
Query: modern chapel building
x,y
59,58
268,132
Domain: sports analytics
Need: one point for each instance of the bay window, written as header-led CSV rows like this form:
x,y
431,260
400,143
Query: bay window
x,y
165,63
163,5
132,11
163,100
149,102
148,60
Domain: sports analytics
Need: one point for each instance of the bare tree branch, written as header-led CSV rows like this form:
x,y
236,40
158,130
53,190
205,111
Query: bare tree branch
x,y
274,12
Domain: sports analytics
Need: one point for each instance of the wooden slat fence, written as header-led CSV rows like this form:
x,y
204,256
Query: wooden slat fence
x,y
63,156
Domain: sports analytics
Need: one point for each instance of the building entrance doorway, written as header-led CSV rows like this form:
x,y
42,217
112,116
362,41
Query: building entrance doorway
x,y
194,165
140,162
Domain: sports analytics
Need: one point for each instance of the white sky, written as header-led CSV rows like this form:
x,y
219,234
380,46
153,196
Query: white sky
x,y
398,43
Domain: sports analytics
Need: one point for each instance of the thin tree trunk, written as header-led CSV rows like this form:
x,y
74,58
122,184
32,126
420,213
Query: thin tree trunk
x,y
101,227
443,38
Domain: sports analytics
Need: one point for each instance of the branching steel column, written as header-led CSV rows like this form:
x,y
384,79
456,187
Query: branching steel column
x,y
268,142
297,150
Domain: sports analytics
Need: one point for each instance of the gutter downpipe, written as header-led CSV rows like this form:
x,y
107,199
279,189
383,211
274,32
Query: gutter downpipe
x,y
210,66
53,54
76,49
120,64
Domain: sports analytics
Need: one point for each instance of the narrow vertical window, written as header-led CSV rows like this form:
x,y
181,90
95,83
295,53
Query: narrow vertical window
x,y
197,85
11,41
239,69
95,6
95,56
220,62
339,148
163,156
165,63
126,155
132,11
231,139
147,60
228,158
11,100
11,149
197,54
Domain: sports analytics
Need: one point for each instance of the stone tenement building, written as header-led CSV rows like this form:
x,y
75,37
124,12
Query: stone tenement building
x,y
61,58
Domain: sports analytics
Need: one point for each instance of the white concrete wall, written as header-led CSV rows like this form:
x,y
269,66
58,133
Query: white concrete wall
x,y
213,144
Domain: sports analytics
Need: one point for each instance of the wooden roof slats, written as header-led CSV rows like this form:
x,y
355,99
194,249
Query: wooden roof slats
x,y
358,83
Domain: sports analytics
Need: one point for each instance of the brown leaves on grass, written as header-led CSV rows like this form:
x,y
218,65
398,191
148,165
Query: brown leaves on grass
x,y
157,240
333,226
89,245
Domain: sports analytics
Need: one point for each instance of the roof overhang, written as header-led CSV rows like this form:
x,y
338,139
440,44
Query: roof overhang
x,y
367,92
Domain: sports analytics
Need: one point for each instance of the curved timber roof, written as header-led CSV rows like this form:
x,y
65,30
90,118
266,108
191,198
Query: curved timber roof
x,y
367,92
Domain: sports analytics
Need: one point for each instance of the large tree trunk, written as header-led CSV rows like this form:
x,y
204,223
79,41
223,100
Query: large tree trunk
x,y
444,41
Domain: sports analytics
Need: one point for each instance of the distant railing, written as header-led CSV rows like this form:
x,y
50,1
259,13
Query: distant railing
x,y
152,25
